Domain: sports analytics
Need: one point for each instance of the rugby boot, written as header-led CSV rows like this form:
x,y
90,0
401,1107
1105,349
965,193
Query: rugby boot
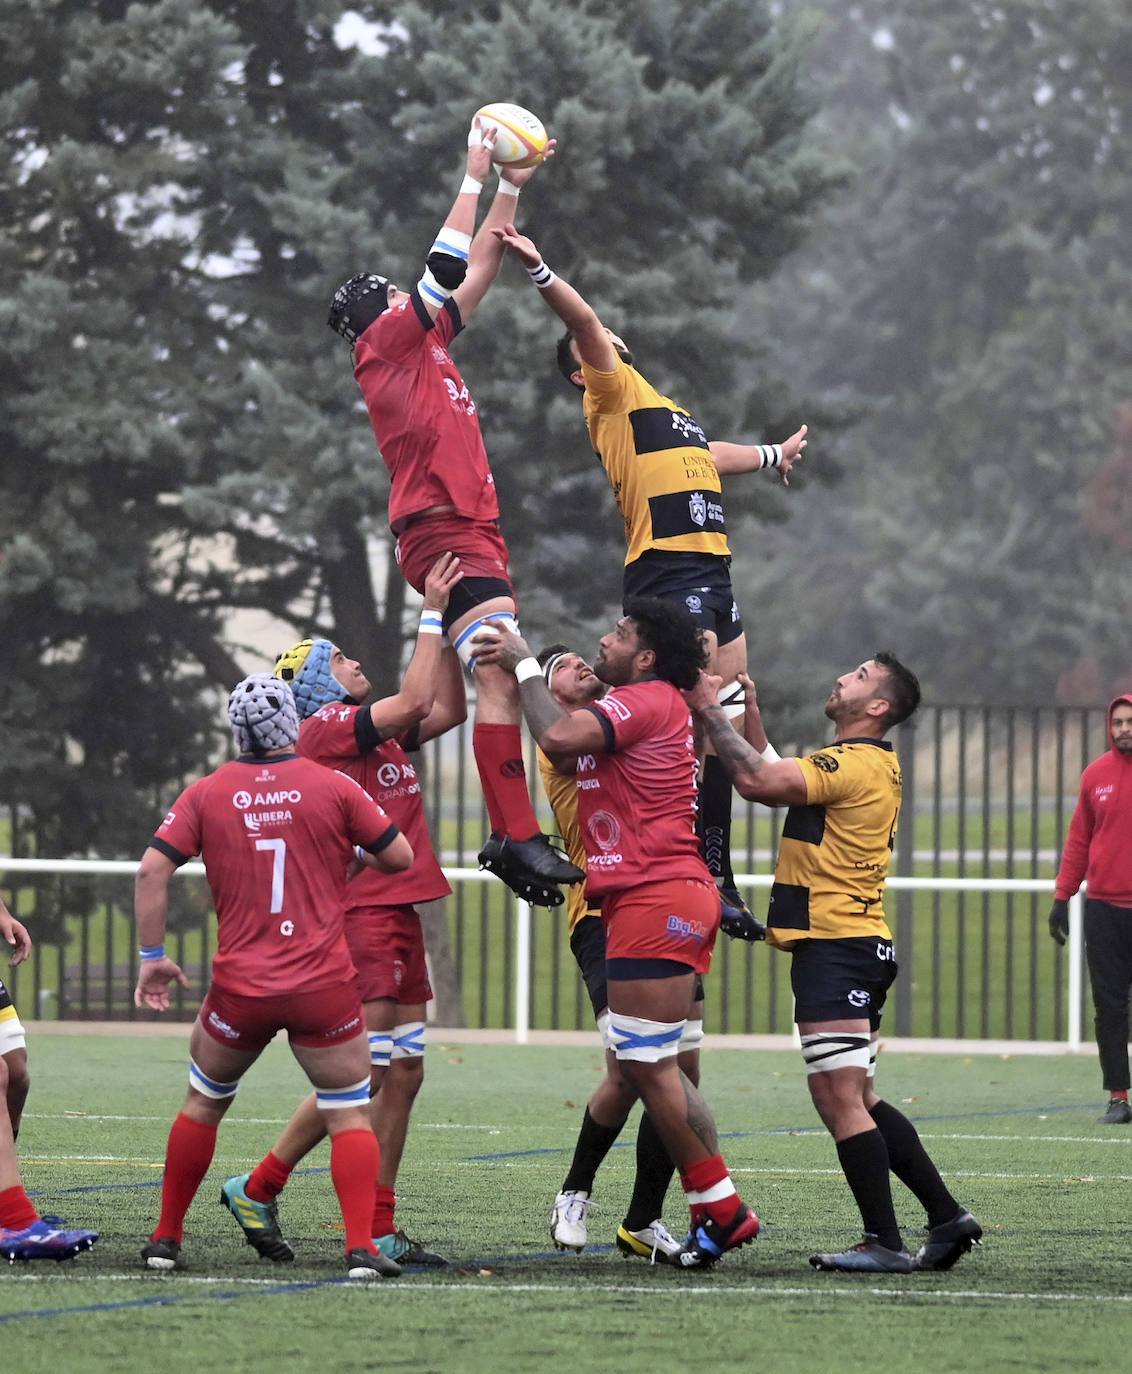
x,y
397,1246
362,1264
163,1254
710,1240
653,1242
949,1242
44,1239
532,868
736,919
869,1257
569,1224
1118,1112
259,1221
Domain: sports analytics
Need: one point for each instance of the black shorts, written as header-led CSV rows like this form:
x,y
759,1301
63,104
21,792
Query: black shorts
x,y
587,944
471,592
841,980
700,582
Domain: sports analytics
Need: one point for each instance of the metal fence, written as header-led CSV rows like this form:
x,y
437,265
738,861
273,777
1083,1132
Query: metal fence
x,y
988,793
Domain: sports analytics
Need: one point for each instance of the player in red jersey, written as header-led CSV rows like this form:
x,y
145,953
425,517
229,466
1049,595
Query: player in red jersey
x,y
635,757
372,745
442,494
277,834
24,1234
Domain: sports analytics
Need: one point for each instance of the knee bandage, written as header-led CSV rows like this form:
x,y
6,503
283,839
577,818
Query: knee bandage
x,y
380,1048
409,1040
357,1095
647,1042
693,1036
208,1087
873,1047
825,1051
733,699
485,625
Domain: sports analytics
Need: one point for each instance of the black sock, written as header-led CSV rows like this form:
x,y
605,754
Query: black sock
x,y
654,1174
912,1164
865,1162
714,821
594,1143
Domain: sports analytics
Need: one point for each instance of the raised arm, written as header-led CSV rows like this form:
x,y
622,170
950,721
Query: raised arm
x,y
593,340
417,695
777,783
735,458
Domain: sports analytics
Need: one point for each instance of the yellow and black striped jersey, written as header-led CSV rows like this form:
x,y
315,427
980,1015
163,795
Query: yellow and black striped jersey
x,y
562,792
658,462
835,850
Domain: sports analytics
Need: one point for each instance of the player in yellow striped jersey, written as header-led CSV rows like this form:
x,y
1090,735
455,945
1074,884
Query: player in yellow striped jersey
x,y
665,475
827,909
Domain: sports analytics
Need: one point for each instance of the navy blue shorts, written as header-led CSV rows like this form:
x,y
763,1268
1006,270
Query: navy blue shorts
x,y
841,980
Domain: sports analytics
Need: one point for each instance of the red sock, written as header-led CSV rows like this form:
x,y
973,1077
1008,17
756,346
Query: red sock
x,y
383,1208
187,1157
268,1178
354,1159
710,1191
16,1210
499,758
1119,1092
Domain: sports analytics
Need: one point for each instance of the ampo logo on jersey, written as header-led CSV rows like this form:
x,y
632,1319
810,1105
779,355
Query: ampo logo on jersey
x,y
242,800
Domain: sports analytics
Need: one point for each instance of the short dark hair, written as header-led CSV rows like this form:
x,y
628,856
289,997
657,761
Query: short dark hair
x,y
669,631
551,651
567,363
901,689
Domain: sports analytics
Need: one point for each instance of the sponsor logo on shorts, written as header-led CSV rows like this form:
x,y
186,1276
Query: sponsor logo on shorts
x,y
886,952
222,1026
345,1029
686,930
859,997
694,604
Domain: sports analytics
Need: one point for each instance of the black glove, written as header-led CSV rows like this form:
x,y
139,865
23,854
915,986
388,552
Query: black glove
x,y
1059,921
740,924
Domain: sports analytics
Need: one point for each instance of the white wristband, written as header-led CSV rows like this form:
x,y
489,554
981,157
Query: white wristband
x,y
432,623
541,275
507,188
770,754
527,667
470,186
772,455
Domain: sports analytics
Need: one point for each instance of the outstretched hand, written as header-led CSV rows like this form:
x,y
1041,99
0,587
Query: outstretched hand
x,y
500,647
523,247
792,450
705,693
519,176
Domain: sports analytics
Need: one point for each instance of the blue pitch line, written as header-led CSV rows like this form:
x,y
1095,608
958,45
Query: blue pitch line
x,y
170,1299
791,1130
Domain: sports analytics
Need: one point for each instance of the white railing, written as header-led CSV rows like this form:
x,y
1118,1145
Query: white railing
x,y
521,914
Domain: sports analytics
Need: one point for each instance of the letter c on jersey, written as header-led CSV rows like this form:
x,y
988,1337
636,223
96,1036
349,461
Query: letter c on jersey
x,y
287,928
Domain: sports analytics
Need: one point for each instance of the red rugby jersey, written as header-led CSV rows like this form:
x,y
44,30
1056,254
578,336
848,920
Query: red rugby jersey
x,y
276,837
637,804
386,773
423,416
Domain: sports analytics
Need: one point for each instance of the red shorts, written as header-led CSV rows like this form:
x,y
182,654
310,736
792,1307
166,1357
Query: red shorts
x,y
677,919
318,1020
477,543
387,947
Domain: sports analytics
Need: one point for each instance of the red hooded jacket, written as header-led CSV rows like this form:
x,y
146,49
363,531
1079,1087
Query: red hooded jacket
x,y
1098,849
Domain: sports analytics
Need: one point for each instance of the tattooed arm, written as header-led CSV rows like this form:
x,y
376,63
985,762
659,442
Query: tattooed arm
x,y
774,784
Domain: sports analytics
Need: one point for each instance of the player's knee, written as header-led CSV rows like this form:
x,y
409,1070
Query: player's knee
x,y
354,1097
826,1051
637,1040
484,626
210,1090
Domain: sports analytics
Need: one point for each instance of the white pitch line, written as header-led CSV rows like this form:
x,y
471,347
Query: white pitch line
x,y
503,1289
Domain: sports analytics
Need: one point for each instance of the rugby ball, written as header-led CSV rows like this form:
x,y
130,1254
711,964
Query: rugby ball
x,y
520,138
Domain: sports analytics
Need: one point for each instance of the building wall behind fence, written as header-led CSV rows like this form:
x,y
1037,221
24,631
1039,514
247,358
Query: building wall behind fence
x,y
988,793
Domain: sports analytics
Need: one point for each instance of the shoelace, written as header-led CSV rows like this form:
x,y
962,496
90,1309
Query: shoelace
x,y
576,1209
660,1233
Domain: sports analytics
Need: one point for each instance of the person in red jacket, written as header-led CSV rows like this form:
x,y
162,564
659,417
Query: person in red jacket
x,y
1098,851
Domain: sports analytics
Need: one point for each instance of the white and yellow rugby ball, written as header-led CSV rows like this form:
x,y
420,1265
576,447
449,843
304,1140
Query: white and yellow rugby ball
x,y
521,140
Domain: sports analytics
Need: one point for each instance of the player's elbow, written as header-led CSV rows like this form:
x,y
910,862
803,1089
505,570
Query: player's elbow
x,y
396,856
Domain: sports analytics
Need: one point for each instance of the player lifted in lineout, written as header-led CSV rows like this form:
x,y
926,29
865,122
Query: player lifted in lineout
x,y
442,497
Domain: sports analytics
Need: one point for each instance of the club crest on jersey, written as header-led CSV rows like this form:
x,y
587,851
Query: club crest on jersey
x,y
697,508
826,762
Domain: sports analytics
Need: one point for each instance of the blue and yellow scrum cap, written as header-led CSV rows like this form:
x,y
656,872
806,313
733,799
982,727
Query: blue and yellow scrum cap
x,y
306,668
